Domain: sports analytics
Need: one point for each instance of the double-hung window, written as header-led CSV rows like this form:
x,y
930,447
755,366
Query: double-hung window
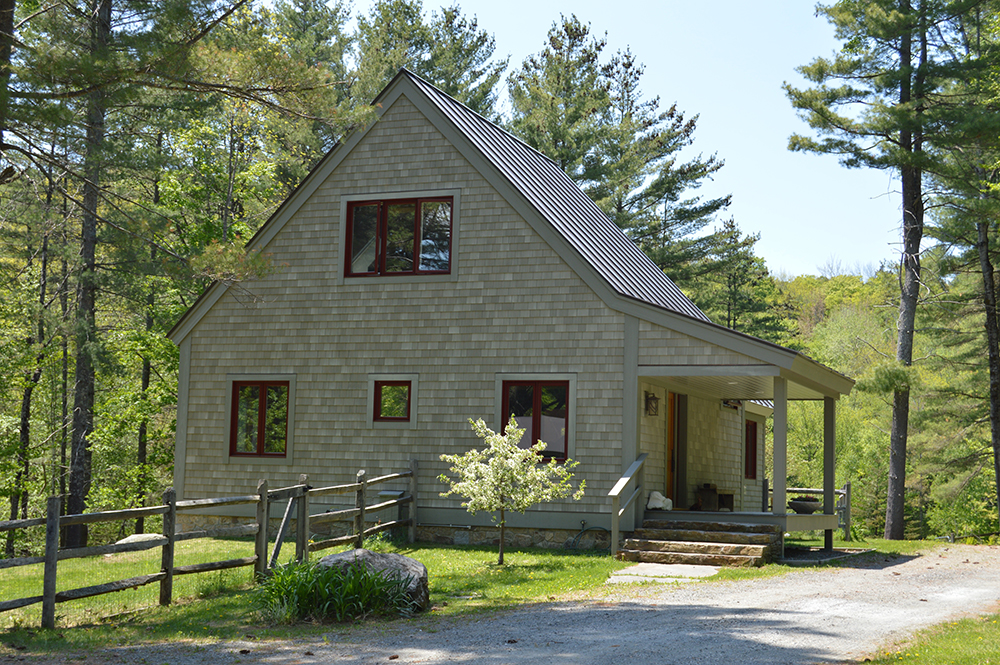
x,y
399,237
541,409
259,425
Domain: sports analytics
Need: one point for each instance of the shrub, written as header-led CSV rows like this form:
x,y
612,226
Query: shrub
x,y
306,591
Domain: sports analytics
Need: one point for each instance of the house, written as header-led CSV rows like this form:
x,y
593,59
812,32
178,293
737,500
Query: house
x,y
434,269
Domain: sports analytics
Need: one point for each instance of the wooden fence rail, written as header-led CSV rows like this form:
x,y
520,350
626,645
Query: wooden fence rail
x,y
298,497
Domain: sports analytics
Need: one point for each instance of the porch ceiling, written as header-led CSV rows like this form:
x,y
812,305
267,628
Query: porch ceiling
x,y
743,382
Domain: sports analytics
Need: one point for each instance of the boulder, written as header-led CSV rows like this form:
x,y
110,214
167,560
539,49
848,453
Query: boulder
x,y
390,565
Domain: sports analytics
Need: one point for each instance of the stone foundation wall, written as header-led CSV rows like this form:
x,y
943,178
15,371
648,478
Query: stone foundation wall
x,y
445,535
514,537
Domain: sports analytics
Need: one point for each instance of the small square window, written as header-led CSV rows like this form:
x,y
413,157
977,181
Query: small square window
x,y
392,401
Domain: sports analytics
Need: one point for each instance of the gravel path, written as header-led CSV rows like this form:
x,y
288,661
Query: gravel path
x,y
816,615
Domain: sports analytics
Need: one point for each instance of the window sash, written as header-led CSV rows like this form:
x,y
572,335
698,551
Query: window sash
x,y
399,237
541,408
400,409
259,426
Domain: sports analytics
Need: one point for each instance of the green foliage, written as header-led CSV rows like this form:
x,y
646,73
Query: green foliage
x,y
503,476
307,591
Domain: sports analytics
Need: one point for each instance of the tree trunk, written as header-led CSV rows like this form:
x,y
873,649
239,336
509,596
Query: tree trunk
x,y
7,8
992,344
86,335
911,178
502,524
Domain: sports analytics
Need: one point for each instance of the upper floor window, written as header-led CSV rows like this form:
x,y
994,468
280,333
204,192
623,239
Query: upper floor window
x,y
399,237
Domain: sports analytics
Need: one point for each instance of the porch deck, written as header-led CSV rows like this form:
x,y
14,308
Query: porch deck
x,y
788,523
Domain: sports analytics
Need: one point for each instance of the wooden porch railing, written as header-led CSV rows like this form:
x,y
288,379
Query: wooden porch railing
x,y
617,508
842,503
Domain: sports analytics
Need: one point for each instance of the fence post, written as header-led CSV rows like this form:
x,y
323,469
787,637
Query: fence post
x,y
359,520
302,522
411,531
263,518
52,510
167,566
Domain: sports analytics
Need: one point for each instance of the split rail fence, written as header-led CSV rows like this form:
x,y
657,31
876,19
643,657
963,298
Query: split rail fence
x,y
298,499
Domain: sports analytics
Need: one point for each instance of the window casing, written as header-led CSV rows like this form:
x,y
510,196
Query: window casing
x,y
410,236
542,409
259,418
392,401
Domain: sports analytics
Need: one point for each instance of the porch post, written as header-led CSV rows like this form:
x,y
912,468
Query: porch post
x,y
778,506
829,463
630,417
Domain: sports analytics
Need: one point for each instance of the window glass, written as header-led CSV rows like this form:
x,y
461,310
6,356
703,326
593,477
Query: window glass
x,y
435,235
521,405
247,415
553,418
276,419
364,245
401,226
392,400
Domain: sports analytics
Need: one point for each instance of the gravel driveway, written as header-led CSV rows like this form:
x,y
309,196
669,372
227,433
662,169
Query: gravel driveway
x,y
816,615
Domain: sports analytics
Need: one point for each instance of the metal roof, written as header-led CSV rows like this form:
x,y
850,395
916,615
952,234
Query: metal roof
x,y
566,207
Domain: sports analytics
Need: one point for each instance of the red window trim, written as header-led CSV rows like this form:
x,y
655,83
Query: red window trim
x,y
382,234
377,409
750,450
261,417
536,418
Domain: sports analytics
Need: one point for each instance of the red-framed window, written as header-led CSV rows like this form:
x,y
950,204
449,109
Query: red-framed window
x,y
750,451
399,237
392,401
259,424
541,408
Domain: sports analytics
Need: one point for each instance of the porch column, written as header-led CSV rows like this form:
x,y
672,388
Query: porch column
x,y
780,446
829,463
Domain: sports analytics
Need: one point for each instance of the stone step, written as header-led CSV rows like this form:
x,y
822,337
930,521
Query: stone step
x,y
728,560
688,525
696,547
705,536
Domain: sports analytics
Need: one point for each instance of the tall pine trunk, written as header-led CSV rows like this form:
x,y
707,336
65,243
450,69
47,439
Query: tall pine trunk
x,y
992,344
911,177
85,319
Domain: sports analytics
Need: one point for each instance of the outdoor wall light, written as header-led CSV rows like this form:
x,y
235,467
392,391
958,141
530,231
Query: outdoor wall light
x,y
652,404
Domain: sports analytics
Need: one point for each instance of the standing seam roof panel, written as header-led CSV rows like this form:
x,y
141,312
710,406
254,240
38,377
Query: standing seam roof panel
x,y
564,205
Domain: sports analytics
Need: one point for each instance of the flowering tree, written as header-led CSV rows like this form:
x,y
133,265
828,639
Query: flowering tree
x,y
504,476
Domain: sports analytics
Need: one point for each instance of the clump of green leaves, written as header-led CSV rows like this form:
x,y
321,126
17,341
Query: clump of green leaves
x,y
307,591
504,476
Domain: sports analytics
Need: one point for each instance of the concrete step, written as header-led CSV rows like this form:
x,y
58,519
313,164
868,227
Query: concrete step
x,y
691,535
696,547
729,560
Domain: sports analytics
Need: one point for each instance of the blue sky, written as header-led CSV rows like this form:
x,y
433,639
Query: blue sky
x,y
726,61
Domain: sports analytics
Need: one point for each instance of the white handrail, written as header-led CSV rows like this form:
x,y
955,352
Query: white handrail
x,y
617,510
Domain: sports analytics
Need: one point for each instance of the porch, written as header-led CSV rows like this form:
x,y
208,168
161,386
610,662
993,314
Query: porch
x,y
702,426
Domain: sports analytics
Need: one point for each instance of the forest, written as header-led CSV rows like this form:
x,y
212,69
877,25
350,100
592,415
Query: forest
x,y
143,143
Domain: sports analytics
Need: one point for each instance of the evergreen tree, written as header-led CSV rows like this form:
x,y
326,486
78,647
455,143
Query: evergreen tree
x,y
894,65
558,96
